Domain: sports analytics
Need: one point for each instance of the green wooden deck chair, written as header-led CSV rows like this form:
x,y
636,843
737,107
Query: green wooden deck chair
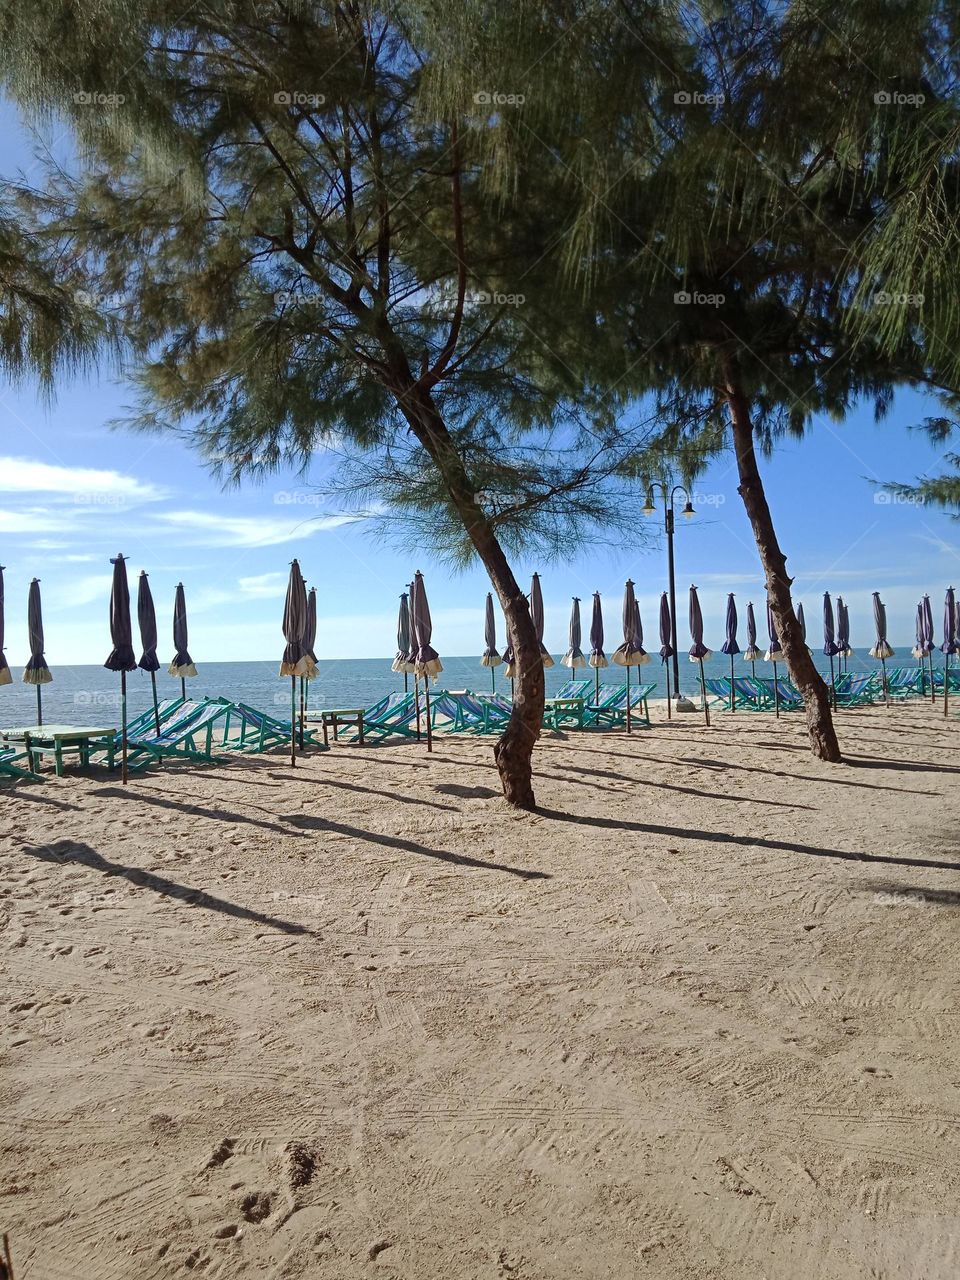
x,y
611,711
10,768
188,735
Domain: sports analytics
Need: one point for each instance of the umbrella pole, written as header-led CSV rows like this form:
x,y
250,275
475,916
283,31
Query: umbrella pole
x,y
946,681
39,707
933,687
596,672
302,709
628,700
666,667
426,694
833,685
493,679
753,670
183,688
406,687
733,688
776,692
416,702
156,705
123,726
703,693
293,720
886,691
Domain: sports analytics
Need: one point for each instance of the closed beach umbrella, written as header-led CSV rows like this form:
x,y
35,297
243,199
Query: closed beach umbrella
x,y
830,646
5,676
121,657
773,653
803,623
491,655
698,650
147,621
427,660
574,657
536,613
730,645
309,657
666,643
631,653
402,661
751,653
182,664
36,671
598,658
294,662
925,640
949,645
843,630
881,649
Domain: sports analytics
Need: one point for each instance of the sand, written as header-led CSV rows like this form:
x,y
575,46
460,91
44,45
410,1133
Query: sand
x,y
696,1018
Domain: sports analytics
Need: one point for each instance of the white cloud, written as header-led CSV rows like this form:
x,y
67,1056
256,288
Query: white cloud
x,y
26,475
264,586
81,591
247,531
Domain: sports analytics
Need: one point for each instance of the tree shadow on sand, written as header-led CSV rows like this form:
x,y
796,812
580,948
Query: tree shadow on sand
x,y
72,851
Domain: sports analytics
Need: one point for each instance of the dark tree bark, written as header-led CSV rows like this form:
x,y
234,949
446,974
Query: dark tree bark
x,y
816,699
514,749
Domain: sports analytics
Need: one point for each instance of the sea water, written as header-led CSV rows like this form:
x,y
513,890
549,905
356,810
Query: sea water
x,y
90,695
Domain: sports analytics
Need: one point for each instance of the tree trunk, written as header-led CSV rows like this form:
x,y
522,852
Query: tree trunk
x,y
514,749
816,699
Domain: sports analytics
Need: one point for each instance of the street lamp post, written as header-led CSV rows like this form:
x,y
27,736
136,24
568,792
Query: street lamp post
x,y
668,523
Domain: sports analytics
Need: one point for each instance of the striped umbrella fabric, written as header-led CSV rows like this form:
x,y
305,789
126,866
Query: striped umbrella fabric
x,y
36,670
536,613
182,664
597,656
491,656
574,657
402,661
5,676
751,653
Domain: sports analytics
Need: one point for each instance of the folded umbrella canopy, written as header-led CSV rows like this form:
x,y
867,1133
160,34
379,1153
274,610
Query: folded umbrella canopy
x,y
949,645
843,630
881,649
121,657
491,655
802,622
666,644
698,650
36,671
312,671
773,654
598,658
182,664
536,614
427,660
294,662
5,676
830,646
574,657
147,620
751,653
402,661
631,653
730,645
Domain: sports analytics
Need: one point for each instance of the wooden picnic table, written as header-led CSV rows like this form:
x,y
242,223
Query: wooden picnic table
x,y
558,710
53,739
334,717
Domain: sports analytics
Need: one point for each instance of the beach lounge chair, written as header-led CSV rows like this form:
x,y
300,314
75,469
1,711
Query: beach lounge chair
x,y
10,768
393,716
469,712
858,690
750,697
575,689
905,682
611,711
187,734
789,696
259,731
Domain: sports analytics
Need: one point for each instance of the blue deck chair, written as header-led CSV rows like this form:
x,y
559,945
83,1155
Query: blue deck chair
x,y
188,735
611,711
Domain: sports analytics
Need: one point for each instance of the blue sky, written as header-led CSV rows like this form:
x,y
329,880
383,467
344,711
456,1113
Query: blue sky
x,y
73,493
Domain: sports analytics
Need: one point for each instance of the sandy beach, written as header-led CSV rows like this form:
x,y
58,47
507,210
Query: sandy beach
x,y
696,1018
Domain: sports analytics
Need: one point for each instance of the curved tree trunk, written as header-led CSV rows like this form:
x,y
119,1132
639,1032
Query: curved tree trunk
x,y
816,699
514,749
